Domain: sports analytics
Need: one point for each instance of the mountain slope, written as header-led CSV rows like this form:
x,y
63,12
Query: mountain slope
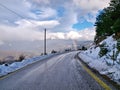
x,y
104,57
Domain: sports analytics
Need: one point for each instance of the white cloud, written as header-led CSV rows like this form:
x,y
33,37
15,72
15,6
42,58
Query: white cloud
x,y
28,31
88,9
25,32
47,13
20,7
15,34
94,5
74,9
73,35
1,42
86,34
41,1
57,35
31,27
33,23
69,18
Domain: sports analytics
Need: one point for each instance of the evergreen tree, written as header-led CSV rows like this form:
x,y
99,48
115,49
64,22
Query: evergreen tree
x,y
116,26
108,21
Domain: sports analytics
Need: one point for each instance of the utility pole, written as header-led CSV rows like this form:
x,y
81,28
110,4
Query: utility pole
x,y
45,42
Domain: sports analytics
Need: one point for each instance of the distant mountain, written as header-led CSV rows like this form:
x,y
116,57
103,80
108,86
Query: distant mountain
x,y
12,55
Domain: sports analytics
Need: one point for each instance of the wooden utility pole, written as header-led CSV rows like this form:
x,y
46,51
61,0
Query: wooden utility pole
x,y
45,42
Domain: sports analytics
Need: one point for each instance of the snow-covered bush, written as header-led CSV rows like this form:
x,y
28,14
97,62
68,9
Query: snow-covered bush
x,y
103,51
118,45
104,57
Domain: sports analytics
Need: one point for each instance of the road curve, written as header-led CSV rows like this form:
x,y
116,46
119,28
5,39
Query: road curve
x,y
61,72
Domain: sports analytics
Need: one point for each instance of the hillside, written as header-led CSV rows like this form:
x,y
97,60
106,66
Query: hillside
x,y
105,58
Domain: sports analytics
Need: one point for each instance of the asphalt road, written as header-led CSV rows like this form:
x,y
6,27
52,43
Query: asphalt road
x,y
61,72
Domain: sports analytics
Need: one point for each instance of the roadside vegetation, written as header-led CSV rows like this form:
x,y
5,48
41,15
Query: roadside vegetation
x,y
12,60
104,54
108,22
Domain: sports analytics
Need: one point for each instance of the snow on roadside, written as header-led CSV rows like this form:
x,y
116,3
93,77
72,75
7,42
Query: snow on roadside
x,y
17,65
104,65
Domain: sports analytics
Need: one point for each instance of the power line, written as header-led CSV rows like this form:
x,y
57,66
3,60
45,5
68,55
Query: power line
x,y
11,10
14,12
28,21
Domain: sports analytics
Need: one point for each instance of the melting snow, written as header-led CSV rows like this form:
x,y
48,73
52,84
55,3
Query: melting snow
x,y
103,64
17,65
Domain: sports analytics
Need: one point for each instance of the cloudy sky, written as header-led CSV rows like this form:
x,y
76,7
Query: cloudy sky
x,y
25,20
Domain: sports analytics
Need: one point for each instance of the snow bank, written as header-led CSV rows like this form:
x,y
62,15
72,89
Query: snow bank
x,y
107,64
17,65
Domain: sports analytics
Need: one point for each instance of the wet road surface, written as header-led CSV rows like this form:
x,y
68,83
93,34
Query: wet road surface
x,y
61,72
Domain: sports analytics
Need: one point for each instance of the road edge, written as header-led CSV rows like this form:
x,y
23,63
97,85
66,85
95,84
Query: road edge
x,y
117,86
10,73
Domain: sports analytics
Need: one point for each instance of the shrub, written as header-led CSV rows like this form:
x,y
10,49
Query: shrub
x,y
114,56
53,51
84,48
6,64
118,45
21,57
103,51
41,54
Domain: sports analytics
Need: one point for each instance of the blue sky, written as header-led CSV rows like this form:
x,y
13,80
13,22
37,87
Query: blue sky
x,y
83,25
60,11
